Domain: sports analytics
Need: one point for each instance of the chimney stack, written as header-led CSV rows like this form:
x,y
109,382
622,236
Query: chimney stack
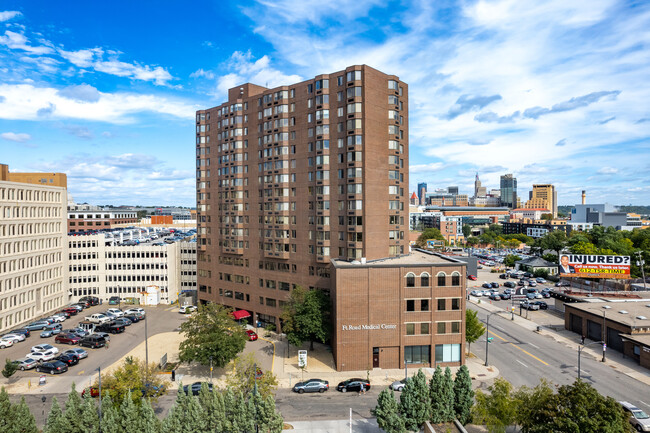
x,y
584,197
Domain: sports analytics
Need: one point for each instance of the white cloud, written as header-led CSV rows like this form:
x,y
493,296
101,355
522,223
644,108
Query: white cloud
x,y
18,41
426,168
28,102
8,15
17,137
200,73
608,170
81,93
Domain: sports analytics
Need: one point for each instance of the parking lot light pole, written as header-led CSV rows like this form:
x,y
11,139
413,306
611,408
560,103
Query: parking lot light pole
x,y
146,347
99,369
581,348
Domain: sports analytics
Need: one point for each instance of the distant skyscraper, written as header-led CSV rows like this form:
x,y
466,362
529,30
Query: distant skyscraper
x,y
479,191
543,196
453,190
422,192
508,190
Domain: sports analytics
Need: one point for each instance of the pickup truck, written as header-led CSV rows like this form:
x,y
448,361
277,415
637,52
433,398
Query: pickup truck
x,y
98,318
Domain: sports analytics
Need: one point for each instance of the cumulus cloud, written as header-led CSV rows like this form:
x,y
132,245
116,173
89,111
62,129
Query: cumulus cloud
x,y
571,104
18,41
200,73
466,103
132,160
81,92
608,170
492,117
8,15
17,137
426,168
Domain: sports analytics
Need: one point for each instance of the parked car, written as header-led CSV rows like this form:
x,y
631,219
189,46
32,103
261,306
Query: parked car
x,y
494,285
35,326
54,367
111,327
353,385
526,305
116,312
76,331
542,305
122,321
638,418
67,338
540,280
68,358
78,308
503,276
58,318
90,300
44,356
398,385
486,285
510,284
25,363
106,335
311,385
77,351
546,294
14,336
187,309
114,300
71,311
521,283
135,310
6,343
476,293
252,335
21,331
495,296
51,330
195,388
505,296
93,341
562,284
44,347
471,277
532,284
133,317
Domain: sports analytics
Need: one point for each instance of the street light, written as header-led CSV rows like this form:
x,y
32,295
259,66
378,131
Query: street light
x,y
99,369
641,263
580,349
487,339
604,333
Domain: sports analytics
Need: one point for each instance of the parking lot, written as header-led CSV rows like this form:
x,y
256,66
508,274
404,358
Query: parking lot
x,y
159,319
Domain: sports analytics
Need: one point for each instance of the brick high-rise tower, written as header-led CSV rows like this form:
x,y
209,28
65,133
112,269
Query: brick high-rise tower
x,y
292,177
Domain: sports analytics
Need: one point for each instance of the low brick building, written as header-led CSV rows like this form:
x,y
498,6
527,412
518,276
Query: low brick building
x,y
408,309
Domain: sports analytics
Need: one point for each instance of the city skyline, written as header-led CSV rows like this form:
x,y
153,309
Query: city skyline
x,y
551,93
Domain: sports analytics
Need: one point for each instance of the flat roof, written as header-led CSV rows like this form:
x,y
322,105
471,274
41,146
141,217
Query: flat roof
x,y
417,257
638,338
627,312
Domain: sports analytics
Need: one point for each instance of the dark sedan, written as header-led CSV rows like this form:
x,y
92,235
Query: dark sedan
x,y
195,388
133,318
353,385
542,305
122,321
311,385
68,359
52,367
495,296
21,331
67,339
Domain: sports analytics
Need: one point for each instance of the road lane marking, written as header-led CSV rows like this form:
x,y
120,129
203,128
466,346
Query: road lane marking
x,y
273,358
644,403
521,363
534,346
81,372
514,345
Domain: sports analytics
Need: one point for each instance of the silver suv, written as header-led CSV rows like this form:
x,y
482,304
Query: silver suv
x,y
638,418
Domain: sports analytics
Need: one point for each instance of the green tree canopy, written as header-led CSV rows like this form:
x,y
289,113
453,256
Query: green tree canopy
x,y
430,233
467,230
510,260
306,317
387,413
463,395
474,329
133,378
496,409
211,333
241,376
10,368
414,405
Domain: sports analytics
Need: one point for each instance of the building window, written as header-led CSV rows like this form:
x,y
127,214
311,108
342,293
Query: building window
x,y
424,280
455,304
442,279
455,327
417,354
410,329
424,328
410,280
441,328
455,279
410,305
447,352
441,304
424,305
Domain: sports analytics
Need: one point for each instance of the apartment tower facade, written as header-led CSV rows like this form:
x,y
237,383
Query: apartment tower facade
x,y
293,177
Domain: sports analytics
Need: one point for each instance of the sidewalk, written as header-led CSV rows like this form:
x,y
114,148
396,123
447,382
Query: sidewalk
x,y
554,328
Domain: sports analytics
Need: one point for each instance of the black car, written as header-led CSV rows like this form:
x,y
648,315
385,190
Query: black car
x,y
562,284
111,327
510,284
90,300
21,331
52,367
68,359
132,317
494,285
353,385
93,341
486,285
542,305
311,385
122,321
195,388
503,276
505,296
114,300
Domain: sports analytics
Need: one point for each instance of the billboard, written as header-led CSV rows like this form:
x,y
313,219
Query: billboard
x,y
592,266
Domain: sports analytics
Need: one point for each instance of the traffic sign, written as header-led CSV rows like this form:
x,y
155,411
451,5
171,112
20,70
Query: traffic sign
x,y
302,358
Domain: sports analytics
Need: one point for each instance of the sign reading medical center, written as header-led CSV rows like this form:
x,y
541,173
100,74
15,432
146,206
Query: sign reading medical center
x,y
367,327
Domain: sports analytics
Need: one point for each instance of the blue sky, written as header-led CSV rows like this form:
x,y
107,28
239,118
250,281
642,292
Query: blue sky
x,y
552,91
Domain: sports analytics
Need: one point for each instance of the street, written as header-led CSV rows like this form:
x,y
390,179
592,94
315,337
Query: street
x,y
524,357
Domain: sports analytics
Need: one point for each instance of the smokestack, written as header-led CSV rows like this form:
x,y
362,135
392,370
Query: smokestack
x,y
584,197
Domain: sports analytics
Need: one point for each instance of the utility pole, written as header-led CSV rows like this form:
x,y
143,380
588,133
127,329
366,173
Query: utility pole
x,y
146,347
604,334
99,369
641,263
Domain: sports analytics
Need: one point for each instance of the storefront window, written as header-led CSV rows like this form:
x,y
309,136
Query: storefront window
x,y
417,354
447,352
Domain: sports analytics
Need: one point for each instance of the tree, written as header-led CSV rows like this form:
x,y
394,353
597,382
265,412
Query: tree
x,y
111,422
473,241
22,419
73,410
135,379
89,416
497,410
467,230
510,260
463,395
129,415
267,418
241,376
387,413
148,422
185,415
213,409
474,329
414,402
54,422
306,317
211,333
555,241
547,216
435,393
10,368
550,257
430,233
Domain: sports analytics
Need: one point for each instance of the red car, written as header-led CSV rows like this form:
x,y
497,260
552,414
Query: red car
x,y
471,277
252,336
71,311
94,391
67,339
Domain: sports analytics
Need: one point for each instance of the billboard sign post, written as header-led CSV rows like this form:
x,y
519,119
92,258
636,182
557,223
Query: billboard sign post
x,y
594,266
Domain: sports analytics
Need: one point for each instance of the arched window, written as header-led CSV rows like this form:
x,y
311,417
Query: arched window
x,y
455,279
410,279
442,279
424,279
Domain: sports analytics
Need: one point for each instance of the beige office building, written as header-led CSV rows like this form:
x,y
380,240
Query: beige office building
x,y
32,245
543,196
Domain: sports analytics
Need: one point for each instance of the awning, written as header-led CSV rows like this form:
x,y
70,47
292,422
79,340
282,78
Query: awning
x,y
241,314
